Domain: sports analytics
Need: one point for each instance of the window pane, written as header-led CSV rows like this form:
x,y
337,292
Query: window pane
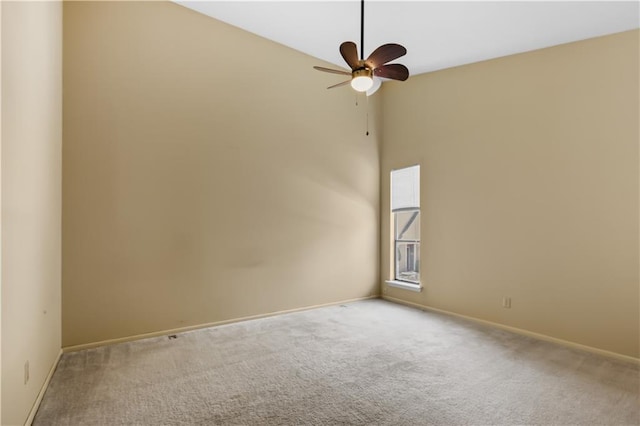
x,y
408,225
408,262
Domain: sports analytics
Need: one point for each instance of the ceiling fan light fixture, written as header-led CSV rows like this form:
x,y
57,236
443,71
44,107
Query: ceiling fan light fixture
x,y
362,80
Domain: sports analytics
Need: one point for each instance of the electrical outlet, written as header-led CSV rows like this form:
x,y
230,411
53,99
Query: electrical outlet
x,y
506,302
26,372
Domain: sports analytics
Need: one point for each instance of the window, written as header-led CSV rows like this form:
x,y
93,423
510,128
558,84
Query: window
x,y
405,207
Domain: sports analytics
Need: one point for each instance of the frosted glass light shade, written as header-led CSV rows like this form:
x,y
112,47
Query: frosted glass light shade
x,y
362,83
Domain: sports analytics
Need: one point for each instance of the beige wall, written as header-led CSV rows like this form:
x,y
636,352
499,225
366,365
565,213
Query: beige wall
x,y
31,196
529,189
0,214
208,175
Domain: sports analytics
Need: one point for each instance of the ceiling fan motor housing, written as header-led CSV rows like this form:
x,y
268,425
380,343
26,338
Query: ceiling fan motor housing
x,y
362,72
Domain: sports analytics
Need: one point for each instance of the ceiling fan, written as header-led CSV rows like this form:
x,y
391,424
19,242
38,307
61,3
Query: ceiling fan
x,y
363,70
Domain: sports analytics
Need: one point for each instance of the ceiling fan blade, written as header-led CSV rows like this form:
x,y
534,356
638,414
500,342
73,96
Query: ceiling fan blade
x,y
349,52
339,84
385,53
392,71
332,71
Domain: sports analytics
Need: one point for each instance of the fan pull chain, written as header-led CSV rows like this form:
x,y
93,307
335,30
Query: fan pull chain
x,y
367,115
367,124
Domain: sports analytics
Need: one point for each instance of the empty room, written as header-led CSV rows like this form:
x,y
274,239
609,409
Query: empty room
x,y
320,212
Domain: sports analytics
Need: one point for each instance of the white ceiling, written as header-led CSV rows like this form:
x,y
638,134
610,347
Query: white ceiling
x,y
437,34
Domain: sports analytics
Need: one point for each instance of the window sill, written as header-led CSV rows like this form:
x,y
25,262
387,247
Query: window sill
x,y
404,285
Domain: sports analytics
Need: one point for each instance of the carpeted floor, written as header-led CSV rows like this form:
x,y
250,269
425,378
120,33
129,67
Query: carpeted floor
x,y
364,363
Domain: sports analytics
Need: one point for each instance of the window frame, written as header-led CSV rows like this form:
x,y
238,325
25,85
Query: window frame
x,y
396,280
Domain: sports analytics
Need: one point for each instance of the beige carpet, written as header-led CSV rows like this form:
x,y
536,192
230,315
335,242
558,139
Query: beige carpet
x,y
365,363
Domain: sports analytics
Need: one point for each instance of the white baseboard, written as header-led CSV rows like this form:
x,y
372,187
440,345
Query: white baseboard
x,y
200,326
43,389
521,331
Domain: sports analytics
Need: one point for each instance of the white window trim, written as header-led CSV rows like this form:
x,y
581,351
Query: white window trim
x,y
404,285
